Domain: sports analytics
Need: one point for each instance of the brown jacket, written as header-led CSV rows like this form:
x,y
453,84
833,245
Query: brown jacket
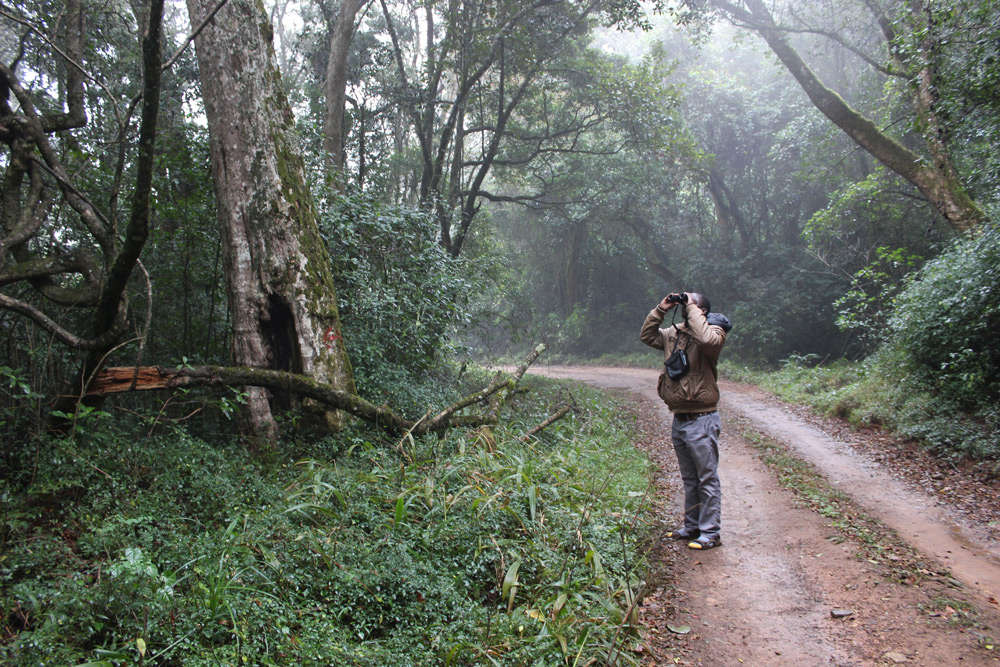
x,y
698,390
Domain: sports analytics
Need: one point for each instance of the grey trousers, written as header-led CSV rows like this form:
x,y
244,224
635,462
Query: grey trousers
x,y
696,443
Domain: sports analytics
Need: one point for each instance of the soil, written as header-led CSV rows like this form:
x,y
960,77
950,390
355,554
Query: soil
x,y
785,588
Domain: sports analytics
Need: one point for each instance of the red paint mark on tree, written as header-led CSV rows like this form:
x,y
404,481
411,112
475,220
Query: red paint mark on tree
x,y
331,337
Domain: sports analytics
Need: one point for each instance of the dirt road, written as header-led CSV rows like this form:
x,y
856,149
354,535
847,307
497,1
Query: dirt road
x,y
786,588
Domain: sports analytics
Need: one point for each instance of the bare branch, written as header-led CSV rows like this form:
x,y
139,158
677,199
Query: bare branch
x,y
144,333
67,337
565,410
33,214
78,261
72,62
194,34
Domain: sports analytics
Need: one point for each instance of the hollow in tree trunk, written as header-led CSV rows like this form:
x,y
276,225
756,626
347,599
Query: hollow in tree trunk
x,y
280,289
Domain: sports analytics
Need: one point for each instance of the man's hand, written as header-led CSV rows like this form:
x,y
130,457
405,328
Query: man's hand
x,y
670,301
675,299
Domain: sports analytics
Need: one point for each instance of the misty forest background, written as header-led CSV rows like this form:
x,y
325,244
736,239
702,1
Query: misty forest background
x,y
257,257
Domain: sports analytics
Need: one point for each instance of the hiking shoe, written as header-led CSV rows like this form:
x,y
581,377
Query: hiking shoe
x,y
703,543
683,534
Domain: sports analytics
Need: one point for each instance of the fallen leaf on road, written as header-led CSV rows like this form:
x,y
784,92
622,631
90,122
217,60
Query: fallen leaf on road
x,y
841,613
679,629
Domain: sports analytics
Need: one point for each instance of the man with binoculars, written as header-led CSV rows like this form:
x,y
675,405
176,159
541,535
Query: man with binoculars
x,y
688,385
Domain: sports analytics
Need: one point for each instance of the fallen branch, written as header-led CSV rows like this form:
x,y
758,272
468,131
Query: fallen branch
x,y
144,378
566,409
498,399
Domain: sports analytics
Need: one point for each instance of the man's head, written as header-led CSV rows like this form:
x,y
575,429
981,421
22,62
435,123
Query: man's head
x,y
701,301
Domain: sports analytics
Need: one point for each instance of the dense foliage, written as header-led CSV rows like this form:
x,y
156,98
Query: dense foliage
x,y
402,298
127,541
934,375
513,174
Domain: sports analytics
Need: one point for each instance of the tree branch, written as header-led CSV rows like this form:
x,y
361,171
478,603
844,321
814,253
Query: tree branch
x,y
71,339
131,378
77,261
190,38
138,227
565,410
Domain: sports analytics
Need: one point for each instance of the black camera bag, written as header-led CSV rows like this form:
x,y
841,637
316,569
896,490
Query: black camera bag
x,y
677,364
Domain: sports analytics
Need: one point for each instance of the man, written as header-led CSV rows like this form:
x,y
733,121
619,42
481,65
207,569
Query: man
x,y
693,399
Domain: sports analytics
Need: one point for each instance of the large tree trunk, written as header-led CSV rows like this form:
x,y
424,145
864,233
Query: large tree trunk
x,y
281,293
937,180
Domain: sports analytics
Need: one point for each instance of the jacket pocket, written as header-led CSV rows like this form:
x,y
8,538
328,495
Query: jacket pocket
x,y
703,389
693,388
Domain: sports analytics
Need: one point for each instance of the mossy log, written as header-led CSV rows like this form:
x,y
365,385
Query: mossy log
x,y
144,378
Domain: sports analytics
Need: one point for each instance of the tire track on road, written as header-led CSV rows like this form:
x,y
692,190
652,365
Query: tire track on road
x,y
765,597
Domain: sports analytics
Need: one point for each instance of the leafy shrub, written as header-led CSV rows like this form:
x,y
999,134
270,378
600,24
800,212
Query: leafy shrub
x,y
878,390
946,321
776,307
400,293
865,307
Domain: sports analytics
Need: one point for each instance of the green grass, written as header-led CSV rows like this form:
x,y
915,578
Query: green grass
x,y
127,548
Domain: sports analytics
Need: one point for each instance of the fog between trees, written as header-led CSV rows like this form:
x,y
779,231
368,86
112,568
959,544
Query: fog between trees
x,y
359,193
255,256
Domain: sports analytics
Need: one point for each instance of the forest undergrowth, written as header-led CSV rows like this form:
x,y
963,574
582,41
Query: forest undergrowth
x,y
126,545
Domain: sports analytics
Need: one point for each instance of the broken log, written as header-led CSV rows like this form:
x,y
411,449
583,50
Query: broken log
x,y
145,378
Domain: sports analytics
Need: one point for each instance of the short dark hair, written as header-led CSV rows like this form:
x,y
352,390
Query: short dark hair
x,y
701,301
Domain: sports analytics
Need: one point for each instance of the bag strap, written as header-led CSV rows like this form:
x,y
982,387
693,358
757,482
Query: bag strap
x,y
677,340
673,314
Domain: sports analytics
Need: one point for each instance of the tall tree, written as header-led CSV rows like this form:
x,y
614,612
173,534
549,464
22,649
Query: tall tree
x,y
935,176
336,88
281,293
467,75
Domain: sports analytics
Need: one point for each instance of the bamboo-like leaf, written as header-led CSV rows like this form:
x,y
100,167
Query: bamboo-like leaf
x,y
509,588
115,655
593,558
400,511
429,491
632,609
559,604
582,642
532,501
